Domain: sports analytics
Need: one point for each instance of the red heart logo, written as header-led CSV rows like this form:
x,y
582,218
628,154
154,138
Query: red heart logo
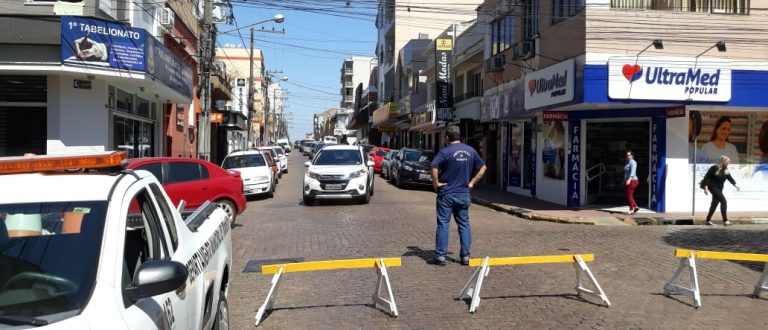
x,y
531,86
632,72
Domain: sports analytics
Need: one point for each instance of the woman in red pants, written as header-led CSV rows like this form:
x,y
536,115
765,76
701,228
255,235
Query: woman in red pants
x,y
631,182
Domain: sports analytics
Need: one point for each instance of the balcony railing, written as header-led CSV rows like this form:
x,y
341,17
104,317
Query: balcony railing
x,y
740,7
465,96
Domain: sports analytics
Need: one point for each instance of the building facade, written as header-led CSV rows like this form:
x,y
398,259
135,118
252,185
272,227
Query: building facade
x,y
570,90
76,79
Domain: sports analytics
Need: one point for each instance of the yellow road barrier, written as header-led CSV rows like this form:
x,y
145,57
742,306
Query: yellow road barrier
x,y
689,261
475,283
568,258
328,265
380,264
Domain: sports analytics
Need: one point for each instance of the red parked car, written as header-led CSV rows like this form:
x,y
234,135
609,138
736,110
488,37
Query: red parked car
x,y
196,181
377,155
273,165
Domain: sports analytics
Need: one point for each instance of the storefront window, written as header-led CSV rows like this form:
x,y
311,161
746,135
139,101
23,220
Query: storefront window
x,y
133,131
133,136
142,107
23,114
124,101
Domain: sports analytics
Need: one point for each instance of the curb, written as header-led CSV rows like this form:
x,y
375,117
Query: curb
x,y
637,221
530,214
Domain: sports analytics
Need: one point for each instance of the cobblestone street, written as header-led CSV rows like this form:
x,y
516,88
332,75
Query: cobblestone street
x,y
632,263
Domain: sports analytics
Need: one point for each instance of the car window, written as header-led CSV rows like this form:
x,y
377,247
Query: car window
x,y
380,152
166,215
49,253
338,157
418,156
240,161
279,151
143,238
185,171
155,168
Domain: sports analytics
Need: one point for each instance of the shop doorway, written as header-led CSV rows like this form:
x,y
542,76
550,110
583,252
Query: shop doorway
x,y
606,146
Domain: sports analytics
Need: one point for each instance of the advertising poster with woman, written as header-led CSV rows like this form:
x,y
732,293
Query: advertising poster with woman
x,y
514,163
553,153
740,136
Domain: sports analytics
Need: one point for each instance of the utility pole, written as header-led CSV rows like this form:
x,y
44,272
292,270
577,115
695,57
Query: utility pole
x,y
204,125
250,94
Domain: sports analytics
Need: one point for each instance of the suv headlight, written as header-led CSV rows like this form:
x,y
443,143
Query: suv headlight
x,y
313,175
407,167
356,174
261,178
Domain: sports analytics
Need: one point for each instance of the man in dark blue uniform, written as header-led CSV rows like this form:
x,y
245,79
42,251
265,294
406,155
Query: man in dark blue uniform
x,y
452,177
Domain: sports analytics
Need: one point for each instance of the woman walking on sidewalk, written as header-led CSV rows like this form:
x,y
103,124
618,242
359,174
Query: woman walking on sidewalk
x,y
631,182
713,182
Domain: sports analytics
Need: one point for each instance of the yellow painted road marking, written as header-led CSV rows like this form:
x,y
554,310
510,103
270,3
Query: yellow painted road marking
x,y
328,265
683,253
475,262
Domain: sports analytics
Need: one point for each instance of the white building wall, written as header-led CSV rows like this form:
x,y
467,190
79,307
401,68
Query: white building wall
x,y
78,121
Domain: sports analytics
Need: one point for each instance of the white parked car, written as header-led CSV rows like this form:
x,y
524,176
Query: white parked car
x,y
104,248
254,170
285,144
283,158
338,172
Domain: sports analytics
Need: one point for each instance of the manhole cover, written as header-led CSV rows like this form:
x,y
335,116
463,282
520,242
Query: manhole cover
x,y
254,266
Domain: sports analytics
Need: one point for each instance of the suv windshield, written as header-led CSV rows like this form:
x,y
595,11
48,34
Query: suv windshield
x,y
418,156
338,157
241,161
49,254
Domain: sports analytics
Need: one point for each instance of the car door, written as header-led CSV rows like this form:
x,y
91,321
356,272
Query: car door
x,y
145,239
187,180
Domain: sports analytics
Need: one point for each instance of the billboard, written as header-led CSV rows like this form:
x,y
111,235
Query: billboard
x,y
742,137
93,42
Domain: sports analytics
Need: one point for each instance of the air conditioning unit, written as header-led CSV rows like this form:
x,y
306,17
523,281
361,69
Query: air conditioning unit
x,y
167,17
524,50
495,63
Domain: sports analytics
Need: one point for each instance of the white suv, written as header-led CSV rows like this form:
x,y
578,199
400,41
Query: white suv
x,y
254,171
338,172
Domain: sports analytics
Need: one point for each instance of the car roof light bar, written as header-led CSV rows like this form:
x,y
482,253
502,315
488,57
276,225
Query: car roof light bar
x,y
32,164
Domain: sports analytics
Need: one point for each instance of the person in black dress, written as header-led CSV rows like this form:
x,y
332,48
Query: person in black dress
x,y
713,182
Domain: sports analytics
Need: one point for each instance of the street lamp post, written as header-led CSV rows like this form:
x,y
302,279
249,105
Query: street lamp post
x,y
267,135
278,18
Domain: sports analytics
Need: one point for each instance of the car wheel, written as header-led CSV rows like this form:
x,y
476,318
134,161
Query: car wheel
x,y
229,209
365,199
222,315
373,179
309,201
271,193
398,183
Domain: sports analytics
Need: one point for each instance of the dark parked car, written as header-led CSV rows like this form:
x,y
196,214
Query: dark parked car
x,y
196,181
411,166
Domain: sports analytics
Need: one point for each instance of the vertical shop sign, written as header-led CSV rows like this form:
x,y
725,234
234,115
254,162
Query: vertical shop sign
x,y
515,155
658,153
443,79
574,164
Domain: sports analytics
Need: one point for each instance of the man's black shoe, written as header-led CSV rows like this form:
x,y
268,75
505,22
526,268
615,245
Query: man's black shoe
x,y
438,262
465,261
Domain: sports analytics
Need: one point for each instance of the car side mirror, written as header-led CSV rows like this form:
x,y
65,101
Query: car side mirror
x,y
306,164
369,163
156,277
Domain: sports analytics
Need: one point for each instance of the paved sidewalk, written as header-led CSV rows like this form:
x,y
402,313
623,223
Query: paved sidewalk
x,y
535,209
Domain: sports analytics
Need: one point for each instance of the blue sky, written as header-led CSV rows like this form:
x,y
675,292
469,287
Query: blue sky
x,y
309,53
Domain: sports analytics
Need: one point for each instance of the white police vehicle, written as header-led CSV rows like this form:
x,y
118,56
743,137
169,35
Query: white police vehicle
x,y
338,171
103,248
